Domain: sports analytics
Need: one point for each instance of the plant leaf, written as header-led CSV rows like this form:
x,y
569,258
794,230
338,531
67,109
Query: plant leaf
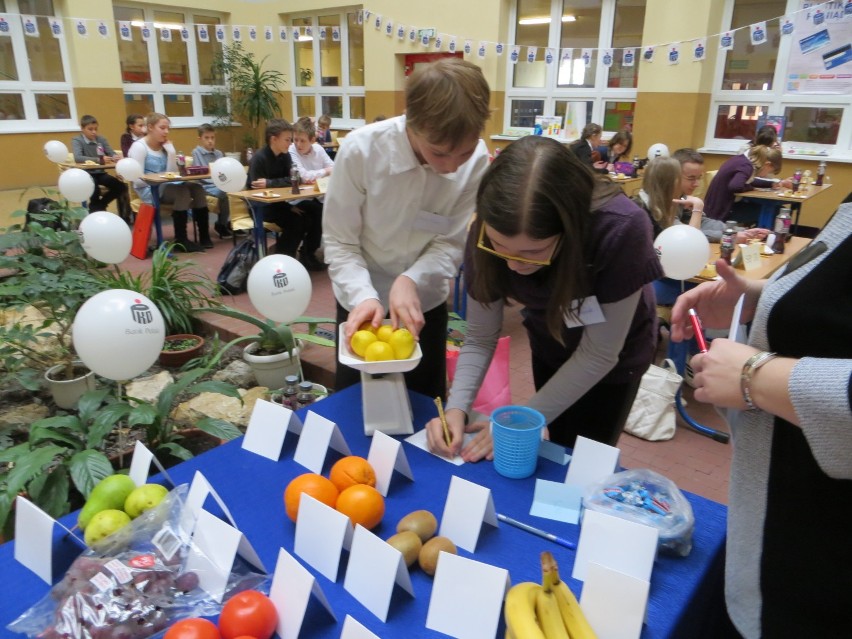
x,y
142,415
105,421
219,428
40,433
29,466
176,450
88,467
49,491
215,386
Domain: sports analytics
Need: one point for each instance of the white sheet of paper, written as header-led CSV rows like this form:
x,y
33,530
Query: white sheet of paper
x,y
318,434
292,586
353,629
140,465
556,500
590,462
616,543
751,256
375,567
199,489
590,313
553,452
211,556
386,455
419,439
602,587
321,533
467,596
267,429
466,507
34,538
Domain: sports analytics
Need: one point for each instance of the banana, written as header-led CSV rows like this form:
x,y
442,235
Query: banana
x,y
549,617
569,608
520,611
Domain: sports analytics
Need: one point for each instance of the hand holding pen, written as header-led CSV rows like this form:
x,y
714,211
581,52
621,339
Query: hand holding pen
x,y
698,330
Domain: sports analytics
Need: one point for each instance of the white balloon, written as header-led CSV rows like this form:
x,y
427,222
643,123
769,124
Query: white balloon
x,y
56,151
118,333
106,237
658,150
129,169
279,287
683,251
76,185
228,174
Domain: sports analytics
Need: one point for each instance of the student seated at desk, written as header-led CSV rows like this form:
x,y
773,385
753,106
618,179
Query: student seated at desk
x,y
270,168
204,155
135,130
586,148
313,163
324,129
88,147
616,154
157,155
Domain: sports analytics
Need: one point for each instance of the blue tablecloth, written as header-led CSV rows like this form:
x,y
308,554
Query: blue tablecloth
x,y
685,592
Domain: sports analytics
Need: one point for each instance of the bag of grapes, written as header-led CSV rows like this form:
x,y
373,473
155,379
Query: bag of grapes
x,y
132,584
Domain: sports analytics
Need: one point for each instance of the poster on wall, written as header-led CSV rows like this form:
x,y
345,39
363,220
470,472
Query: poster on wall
x,y
821,51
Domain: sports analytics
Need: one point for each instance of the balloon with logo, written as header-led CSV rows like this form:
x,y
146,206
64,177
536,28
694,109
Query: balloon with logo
x,y
683,251
56,151
105,237
76,185
279,287
228,174
118,333
658,150
129,169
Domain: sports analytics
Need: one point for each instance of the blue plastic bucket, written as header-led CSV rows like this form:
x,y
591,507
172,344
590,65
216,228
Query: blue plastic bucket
x,y
516,431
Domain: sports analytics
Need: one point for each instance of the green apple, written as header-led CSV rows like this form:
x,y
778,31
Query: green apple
x,y
144,498
104,523
109,493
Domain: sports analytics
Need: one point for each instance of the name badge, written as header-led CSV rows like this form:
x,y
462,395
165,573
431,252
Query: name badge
x,y
590,313
432,223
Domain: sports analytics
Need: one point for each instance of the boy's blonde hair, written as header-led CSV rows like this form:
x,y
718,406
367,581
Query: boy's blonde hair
x,y
447,101
305,126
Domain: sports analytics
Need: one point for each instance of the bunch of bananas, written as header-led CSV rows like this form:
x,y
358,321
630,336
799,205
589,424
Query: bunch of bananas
x,y
548,610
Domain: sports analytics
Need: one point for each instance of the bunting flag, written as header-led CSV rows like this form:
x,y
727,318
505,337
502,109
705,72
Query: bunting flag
x,y
5,27
282,34
424,39
203,33
699,51
309,31
628,57
468,47
296,34
787,27
236,33
607,58
515,53
452,44
268,34
758,33
377,22
56,27
145,32
674,53
586,55
532,52
648,54
480,50
412,34
400,32
252,33
323,32
30,26
549,55
82,29
389,28
335,33
220,33
499,47
184,34
439,41
165,34
726,41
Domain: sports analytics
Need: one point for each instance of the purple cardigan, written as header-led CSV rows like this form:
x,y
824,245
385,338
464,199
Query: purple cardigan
x,y
733,178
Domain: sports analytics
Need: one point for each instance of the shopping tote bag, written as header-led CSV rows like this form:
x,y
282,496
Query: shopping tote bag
x,y
142,231
495,391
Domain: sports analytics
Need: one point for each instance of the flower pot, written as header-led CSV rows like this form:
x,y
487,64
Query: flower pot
x,y
270,370
67,392
176,359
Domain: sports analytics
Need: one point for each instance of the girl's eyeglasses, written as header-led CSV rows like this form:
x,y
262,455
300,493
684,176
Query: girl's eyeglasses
x,y
480,244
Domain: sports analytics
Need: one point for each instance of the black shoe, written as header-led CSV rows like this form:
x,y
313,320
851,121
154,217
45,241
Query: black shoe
x,y
187,246
222,230
206,242
311,263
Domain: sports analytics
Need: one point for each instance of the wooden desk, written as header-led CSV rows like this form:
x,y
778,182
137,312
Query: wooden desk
x,y
157,179
768,263
630,185
108,165
256,198
804,194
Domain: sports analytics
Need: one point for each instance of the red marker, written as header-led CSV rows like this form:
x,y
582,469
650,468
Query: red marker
x,y
699,334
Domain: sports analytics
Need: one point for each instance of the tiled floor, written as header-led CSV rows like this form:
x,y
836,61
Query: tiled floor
x,y
693,461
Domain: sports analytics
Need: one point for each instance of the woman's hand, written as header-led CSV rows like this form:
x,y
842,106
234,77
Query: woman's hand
x,y
717,373
479,447
370,310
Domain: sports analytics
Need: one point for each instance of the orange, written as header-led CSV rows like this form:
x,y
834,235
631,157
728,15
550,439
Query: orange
x,y
378,352
360,341
314,485
362,504
352,470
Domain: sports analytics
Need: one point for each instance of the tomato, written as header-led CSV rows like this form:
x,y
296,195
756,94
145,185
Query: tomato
x,y
248,613
192,629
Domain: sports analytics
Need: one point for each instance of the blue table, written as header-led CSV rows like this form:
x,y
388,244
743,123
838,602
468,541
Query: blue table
x,y
685,592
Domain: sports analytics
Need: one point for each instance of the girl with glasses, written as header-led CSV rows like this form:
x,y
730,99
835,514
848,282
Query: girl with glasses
x,y
576,254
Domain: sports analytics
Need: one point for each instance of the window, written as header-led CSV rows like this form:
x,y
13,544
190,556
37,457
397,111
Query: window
x,y
790,77
171,76
328,68
34,85
578,89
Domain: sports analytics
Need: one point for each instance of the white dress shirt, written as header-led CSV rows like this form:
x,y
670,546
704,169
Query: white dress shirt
x,y
388,215
312,165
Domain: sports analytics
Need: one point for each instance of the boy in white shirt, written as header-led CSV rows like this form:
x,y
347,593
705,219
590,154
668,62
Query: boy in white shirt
x,y
313,162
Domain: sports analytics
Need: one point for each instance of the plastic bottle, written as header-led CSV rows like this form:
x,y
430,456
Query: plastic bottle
x,y
101,154
291,389
820,176
181,163
636,165
295,180
797,180
727,244
782,229
306,394
249,155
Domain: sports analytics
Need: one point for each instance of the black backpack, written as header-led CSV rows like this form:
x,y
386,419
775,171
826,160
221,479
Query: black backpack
x,y
235,270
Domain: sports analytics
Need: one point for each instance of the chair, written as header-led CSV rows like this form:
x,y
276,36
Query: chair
x,y
708,178
242,220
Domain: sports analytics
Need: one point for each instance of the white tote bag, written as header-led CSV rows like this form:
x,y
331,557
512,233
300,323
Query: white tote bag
x,y
653,414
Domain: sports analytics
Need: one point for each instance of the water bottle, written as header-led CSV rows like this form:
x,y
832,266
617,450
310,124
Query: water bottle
x,y
306,394
727,244
249,155
295,180
782,229
820,174
797,180
181,163
101,154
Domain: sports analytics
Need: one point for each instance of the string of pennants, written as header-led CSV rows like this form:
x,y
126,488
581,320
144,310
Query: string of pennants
x,y
757,32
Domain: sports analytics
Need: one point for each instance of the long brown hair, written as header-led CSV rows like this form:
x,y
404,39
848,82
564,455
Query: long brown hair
x,y
660,182
539,188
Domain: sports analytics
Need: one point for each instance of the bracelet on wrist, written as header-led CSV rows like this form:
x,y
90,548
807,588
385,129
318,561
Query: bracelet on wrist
x,y
749,369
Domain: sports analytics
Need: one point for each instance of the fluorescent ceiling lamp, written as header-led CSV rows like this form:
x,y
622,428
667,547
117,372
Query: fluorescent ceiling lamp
x,y
159,25
305,38
545,20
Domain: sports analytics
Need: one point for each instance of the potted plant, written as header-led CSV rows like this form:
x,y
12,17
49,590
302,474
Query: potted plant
x,y
179,349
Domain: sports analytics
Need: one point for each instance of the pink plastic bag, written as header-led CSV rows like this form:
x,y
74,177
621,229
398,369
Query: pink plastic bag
x,y
495,391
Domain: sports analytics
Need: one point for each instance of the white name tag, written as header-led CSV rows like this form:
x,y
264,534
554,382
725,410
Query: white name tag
x,y
432,223
590,313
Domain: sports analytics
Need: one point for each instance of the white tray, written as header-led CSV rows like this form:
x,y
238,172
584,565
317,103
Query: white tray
x,y
347,357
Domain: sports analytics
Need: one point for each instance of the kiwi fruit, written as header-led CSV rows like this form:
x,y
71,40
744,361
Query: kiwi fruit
x,y
408,543
428,557
421,522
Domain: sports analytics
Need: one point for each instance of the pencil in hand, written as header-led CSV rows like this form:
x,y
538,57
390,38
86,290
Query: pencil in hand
x,y
447,438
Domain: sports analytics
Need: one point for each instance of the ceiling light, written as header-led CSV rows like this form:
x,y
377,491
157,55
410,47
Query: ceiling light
x,y
158,25
569,18
534,21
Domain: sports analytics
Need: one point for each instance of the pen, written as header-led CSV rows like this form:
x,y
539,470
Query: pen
x,y
447,438
537,531
699,334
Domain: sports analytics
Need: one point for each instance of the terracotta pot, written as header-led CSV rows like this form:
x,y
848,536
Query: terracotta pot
x,y
176,359
67,392
270,370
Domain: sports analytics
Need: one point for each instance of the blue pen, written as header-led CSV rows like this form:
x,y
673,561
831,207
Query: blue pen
x,y
537,531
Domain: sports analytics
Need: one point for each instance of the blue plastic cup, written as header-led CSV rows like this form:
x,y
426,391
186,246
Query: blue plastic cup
x,y
516,431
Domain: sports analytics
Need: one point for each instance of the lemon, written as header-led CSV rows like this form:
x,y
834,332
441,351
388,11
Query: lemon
x,y
379,352
360,341
402,343
367,326
384,332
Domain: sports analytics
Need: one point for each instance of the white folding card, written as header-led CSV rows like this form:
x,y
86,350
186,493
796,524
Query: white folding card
x,y
603,586
467,506
556,500
199,490
318,434
467,596
34,538
267,429
291,590
375,567
386,455
590,462
353,629
212,554
616,543
140,465
321,533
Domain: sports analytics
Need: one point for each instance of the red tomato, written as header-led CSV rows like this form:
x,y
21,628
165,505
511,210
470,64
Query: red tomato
x,y
193,629
248,613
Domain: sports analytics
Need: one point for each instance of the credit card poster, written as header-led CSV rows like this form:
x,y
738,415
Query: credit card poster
x,y
821,51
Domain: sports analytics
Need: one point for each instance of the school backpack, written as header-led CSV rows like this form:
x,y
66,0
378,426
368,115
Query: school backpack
x,y
235,270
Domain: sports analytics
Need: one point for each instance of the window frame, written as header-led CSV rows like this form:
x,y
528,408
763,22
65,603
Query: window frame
x,y
28,89
345,91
